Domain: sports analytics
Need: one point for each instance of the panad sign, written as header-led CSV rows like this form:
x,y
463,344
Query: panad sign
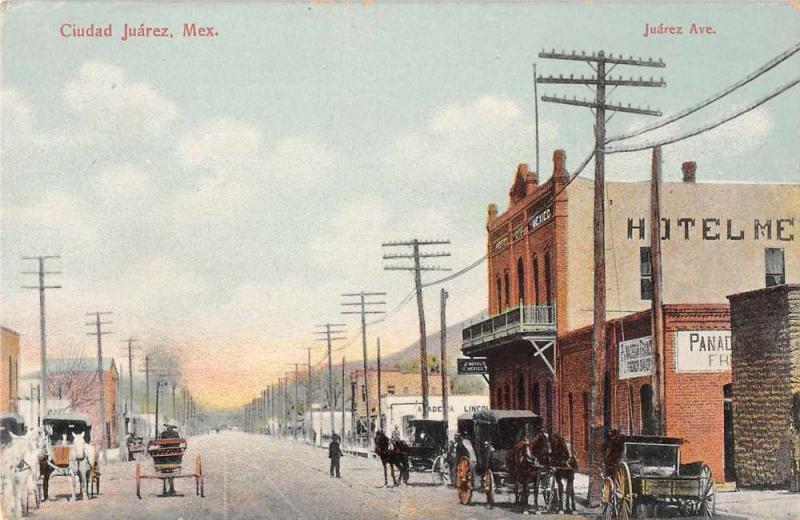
x,y
635,357
703,351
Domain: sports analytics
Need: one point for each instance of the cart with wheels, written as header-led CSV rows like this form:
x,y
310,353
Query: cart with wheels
x,y
646,475
167,455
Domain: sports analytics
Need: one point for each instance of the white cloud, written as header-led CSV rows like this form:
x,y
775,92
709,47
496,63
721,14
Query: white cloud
x,y
54,213
221,144
121,180
107,99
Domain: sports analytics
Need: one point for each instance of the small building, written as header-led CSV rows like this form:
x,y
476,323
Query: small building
x,y
76,379
765,325
9,370
320,421
393,382
398,410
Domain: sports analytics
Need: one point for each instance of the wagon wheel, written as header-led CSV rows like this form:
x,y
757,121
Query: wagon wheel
x,y
623,492
440,471
488,486
707,500
464,481
608,499
549,491
139,480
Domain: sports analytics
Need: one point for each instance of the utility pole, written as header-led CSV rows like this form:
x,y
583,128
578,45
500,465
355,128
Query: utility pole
x,y
343,364
657,317
308,399
332,329
363,304
98,324
417,268
147,385
380,416
130,342
536,116
443,352
41,287
600,81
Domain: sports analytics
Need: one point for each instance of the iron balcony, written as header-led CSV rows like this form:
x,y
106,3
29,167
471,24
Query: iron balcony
x,y
523,320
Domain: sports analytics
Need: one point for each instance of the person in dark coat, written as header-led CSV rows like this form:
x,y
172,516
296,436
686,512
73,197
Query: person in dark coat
x,y
335,453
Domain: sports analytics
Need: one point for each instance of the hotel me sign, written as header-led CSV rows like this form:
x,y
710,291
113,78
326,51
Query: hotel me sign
x,y
703,351
635,357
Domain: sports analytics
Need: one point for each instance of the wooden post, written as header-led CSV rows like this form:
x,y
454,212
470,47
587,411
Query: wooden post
x,y
657,317
443,353
380,418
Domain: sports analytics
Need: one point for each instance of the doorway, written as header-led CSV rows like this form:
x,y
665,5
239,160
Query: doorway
x,y
730,457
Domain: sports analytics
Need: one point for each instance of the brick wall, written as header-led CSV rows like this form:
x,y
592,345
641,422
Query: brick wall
x,y
401,383
766,372
9,369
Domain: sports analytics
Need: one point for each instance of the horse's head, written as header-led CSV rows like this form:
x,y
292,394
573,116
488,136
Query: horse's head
x,y
381,441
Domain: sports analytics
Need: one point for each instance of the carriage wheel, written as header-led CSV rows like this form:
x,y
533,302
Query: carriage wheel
x,y
488,486
623,492
608,499
464,481
440,471
139,480
549,491
707,501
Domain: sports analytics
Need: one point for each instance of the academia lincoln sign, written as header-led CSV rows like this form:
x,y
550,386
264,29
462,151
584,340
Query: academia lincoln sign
x,y
703,351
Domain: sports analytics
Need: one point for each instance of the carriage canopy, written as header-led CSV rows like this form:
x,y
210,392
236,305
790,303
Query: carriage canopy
x,y
428,432
57,426
504,428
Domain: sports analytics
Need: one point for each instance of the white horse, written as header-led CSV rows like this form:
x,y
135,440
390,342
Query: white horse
x,y
14,475
82,464
30,461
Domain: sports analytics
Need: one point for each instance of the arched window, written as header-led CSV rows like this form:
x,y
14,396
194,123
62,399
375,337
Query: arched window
x,y
508,289
499,294
536,280
607,401
548,394
535,401
630,410
547,288
520,280
648,420
521,392
571,420
586,422
508,397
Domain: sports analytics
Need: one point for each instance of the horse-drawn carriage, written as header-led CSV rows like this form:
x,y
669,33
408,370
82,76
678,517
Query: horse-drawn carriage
x,y
428,449
69,454
645,472
10,423
167,454
134,446
481,459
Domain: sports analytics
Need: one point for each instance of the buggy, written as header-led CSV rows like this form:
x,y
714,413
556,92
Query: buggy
x,y
428,449
167,454
60,430
644,472
481,451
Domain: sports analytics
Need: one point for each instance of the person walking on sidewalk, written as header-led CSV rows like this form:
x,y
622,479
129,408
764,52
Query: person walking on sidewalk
x,y
335,453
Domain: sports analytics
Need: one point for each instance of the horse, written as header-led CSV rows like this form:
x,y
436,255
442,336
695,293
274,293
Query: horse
x,y
80,464
16,474
525,461
564,465
394,454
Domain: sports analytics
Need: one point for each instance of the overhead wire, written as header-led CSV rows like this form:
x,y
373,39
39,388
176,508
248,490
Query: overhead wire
x,y
774,62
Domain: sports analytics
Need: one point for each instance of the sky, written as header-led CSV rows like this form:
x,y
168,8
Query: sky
x,y
219,194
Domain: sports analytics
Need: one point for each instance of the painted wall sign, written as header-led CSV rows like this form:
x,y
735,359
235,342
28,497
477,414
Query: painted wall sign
x,y
540,218
703,351
635,357
714,228
473,366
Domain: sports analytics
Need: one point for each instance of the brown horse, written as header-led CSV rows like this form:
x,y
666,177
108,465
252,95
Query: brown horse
x,y
525,462
564,466
395,455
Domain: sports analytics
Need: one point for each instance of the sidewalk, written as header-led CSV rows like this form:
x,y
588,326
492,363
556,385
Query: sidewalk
x,y
772,504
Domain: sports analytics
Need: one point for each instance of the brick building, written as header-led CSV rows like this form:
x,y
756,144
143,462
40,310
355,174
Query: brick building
x,y
9,370
717,239
75,379
766,373
393,382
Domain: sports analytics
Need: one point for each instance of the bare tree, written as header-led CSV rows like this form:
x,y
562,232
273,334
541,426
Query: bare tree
x,y
74,377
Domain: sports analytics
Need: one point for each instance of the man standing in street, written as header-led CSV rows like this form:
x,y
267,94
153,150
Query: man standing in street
x,y
334,453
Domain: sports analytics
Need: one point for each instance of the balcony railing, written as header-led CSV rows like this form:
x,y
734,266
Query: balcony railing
x,y
520,319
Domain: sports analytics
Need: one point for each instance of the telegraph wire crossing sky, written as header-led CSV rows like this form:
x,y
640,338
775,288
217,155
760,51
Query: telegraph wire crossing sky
x,y
219,194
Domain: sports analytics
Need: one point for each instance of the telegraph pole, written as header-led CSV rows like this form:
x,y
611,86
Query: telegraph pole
x,y
380,417
130,342
417,268
308,398
363,303
147,385
332,329
657,308
41,287
443,352
600,81
98,324
343,364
